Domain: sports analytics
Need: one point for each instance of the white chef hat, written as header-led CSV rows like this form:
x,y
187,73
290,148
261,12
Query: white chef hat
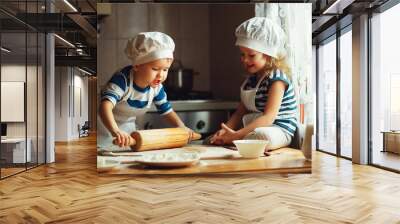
x,y
261,34
149,46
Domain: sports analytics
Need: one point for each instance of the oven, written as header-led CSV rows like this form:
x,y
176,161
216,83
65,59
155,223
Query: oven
x,y
203,122
202,116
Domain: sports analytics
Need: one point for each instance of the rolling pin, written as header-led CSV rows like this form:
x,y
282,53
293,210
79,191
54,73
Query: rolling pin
x,y
160,139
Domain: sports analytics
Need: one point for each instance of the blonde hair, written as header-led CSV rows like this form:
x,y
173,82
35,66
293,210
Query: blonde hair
x,y
278,63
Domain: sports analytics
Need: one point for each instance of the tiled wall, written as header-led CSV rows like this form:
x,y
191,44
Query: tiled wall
x,y
187,24
203,34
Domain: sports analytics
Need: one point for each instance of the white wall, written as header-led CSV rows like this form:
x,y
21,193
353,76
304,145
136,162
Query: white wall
x,y
80,83
61,104
33,127
16,72
314,93
69,82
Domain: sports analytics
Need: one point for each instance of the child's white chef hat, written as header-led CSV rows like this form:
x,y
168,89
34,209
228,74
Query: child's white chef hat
x,y
261,34
149,46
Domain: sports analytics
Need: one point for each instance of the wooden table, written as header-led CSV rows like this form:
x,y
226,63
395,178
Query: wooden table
x,y
391,141
285,160
14,150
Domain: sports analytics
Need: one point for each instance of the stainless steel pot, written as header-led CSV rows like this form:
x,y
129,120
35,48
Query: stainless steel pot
x,y
180,79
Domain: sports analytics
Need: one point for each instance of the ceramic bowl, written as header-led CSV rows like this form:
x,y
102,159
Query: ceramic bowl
x,y
251,148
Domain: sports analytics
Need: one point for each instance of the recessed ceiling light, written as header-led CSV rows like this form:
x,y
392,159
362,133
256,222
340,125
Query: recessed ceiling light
x,y
70,5
337,7
84,71
5,50
65,41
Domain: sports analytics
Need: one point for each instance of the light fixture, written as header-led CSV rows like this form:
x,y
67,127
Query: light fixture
x,y
5,50
84,71
331,7
337,7
70,5
65,41
80,51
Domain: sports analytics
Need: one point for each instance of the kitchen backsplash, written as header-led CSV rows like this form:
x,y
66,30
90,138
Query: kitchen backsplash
x,y
203,34
205,40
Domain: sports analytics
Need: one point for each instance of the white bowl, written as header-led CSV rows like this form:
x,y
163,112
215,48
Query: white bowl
x,y
251,148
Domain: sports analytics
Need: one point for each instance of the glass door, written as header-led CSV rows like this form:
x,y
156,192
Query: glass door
x,y
385,90
346,93
22,87
326,59
13,98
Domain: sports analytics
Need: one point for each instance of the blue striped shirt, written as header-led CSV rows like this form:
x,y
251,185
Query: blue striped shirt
x,y
118,87
286,117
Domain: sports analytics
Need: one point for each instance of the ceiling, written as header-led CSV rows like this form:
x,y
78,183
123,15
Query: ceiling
x,y
331,16
78,24
326,13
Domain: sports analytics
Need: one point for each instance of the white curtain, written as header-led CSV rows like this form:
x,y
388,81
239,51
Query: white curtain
x,y
295,20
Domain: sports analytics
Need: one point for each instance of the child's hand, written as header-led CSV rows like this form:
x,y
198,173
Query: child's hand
x,y
227,135
215,138
122,139
191,133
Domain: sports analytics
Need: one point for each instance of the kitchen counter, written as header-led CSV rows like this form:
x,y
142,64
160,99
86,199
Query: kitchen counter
x,y
200,105
285,160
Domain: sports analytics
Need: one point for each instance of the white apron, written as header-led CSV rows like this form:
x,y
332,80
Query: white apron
x,y
125,117
276,136
248,97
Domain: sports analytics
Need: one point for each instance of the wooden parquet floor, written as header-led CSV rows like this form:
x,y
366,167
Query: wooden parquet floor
x,y
71,191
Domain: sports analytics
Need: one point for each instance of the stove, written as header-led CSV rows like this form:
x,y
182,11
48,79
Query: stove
x,y
197,109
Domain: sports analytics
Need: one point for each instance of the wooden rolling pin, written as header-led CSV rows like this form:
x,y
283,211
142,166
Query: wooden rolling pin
x,y
160,138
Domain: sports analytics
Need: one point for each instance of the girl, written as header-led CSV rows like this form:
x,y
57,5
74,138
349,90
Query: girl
x,y
131,91
268,104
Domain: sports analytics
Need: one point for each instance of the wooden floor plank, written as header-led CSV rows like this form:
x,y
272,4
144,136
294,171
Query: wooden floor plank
x,y
71,191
